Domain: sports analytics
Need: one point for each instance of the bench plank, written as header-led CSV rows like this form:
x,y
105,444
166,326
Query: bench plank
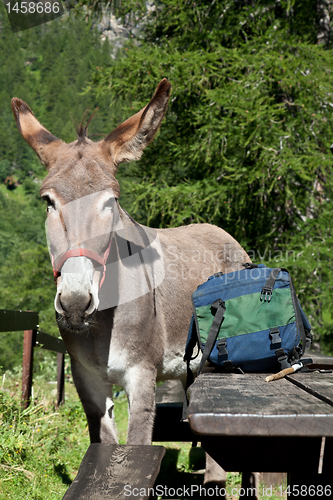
x,y
171,391
106,469
243,405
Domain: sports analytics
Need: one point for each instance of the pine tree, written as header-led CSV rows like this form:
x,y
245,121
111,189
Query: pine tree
x,y
245,144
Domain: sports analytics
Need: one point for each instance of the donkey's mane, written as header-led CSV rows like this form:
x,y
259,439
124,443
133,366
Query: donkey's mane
x,y
81,128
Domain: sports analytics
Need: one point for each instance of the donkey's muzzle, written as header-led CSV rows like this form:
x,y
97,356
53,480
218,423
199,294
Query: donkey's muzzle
x,y
74,302
77,293
75,308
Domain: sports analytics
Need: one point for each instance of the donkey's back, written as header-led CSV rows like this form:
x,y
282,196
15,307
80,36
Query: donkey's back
x,y
191,254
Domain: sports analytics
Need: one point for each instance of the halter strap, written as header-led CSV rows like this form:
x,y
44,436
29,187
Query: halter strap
x,y
80,252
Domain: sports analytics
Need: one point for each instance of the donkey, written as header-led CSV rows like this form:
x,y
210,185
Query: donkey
x,y
123,300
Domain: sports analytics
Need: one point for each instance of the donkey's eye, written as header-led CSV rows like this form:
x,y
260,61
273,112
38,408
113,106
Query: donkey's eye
x,y
50,203
108,204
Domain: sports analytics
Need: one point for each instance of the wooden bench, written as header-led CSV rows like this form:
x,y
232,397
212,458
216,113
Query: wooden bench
x,y
107,469
110,471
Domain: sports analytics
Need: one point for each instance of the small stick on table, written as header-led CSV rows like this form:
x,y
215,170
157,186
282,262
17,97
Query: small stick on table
x,y
283,373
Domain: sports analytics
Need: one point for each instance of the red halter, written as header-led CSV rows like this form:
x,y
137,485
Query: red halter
x,y
81,252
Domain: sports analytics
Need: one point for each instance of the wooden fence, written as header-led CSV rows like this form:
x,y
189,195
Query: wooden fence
x,y
28,321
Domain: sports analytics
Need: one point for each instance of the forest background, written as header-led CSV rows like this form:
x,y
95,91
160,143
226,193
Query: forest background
x,y
245,143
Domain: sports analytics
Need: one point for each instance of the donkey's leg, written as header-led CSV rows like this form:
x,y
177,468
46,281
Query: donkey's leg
x,y
96,398
140,389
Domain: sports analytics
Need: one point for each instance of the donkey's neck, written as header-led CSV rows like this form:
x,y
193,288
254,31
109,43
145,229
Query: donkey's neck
x,y
131,270
136,235
125,217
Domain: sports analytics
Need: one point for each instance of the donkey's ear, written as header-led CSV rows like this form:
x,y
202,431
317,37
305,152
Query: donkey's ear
x,y
128,140
40,139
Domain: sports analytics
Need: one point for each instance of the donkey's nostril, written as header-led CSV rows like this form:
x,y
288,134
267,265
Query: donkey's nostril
x,y
61,304
89,303
58,305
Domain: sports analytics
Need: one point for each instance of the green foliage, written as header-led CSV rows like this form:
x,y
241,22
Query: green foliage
x,y
24,266
48,67
313,272
245,144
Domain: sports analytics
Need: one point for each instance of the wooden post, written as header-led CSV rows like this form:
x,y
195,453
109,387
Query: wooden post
x,y
27,366
60,378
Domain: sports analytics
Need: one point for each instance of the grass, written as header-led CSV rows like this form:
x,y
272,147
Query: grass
x,y
41,448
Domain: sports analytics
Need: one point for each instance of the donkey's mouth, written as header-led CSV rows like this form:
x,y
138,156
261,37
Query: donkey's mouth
x,y
75,322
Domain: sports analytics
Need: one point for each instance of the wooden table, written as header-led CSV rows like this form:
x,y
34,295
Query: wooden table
x,y
247,424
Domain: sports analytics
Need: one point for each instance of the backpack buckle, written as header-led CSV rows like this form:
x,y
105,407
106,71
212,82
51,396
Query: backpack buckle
x,y
266,293
274,335
282,359
222,348
250,265
216,304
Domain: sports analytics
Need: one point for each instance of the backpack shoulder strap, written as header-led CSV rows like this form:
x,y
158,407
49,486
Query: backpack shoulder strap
x,y
192,339
219,306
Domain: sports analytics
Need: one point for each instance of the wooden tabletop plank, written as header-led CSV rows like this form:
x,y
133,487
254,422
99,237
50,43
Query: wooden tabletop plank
x,y
318,384
246,405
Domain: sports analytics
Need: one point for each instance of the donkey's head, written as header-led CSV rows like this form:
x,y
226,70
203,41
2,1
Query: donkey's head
x,y
81,192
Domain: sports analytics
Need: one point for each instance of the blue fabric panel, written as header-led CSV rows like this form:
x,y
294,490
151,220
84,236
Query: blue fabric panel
x,y
231,285
255,348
